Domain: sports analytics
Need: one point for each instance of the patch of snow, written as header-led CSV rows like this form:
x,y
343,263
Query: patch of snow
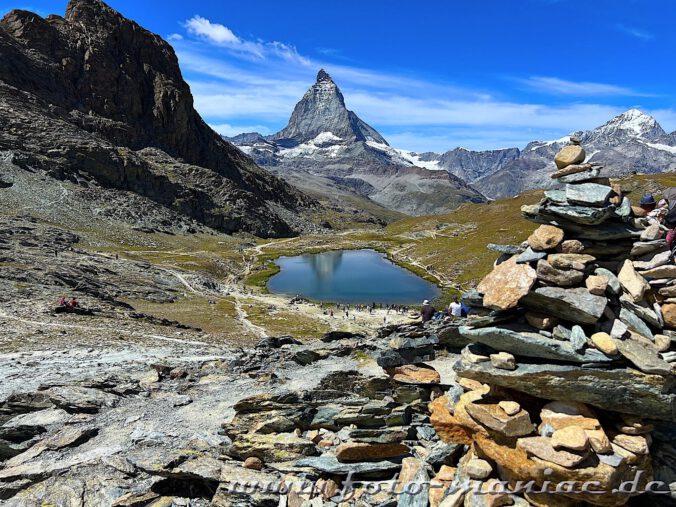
x,y
326,137
590,155
245,149
540,144
662,147
414,159
323,144
396,155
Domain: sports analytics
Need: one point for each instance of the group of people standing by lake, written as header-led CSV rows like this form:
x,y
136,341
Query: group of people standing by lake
x,y
346,308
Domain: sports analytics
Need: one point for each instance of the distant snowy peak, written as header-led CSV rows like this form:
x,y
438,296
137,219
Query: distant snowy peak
x,y
630,124
322,109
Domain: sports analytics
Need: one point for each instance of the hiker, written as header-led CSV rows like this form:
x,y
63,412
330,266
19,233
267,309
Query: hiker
x,y
647,203
455,308
427,311
73,303
62,301
464,309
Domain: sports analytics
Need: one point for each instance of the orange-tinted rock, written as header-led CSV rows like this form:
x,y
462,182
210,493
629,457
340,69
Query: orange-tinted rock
x,y
545,237
446,425
411,374
506,285
669,315
560,414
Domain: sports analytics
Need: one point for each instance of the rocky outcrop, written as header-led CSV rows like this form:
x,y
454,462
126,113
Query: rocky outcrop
x,y
94,95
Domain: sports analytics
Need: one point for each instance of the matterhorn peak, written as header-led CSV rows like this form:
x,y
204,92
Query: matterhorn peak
x,y
322,75
322,111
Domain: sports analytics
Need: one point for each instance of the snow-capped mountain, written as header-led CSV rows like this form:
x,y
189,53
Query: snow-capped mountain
x,y
327,150
467,164
631,142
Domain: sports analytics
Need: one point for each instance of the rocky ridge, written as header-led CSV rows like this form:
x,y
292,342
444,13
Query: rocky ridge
x,y
631,142
93,97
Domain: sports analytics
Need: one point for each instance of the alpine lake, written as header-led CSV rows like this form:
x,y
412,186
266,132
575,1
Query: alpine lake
x,y
350,276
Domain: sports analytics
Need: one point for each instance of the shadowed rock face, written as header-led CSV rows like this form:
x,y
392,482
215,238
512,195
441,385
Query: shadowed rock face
x,y
94,82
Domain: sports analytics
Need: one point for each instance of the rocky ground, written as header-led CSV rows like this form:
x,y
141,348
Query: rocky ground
x,y
563,373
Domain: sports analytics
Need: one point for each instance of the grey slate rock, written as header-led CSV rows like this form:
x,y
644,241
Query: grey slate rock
x,y
582,214
532,345
644,358
407,351
574,305
530,255
556,195
623,211
588,194
644,247
504,249
635,323
578,339
442,453
653,261
561,333
331,465
473,298
614,285
580,177
613,460
650,315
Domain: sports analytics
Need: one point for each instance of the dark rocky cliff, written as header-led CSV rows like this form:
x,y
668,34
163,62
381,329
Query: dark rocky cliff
x,y
92,91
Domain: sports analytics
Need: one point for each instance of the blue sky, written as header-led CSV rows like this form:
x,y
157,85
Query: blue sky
x,y
428,75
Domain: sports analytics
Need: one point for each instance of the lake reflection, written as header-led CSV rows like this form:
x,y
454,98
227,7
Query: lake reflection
x,y
349,276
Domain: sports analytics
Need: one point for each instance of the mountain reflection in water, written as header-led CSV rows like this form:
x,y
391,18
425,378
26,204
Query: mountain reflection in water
x,y
349,276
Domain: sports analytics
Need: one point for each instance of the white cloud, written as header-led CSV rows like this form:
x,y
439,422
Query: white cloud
x,y
240,94
221,36
637,33
230,130
175,37
213,32
557,86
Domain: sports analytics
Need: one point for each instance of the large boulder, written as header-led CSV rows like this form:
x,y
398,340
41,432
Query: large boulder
x,y
504,287
569,155
545,237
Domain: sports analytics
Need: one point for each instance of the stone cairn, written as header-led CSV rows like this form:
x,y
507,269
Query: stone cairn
x,y
564,380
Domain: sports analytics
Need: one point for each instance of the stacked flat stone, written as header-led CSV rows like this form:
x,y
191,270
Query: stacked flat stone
x,y
583,314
